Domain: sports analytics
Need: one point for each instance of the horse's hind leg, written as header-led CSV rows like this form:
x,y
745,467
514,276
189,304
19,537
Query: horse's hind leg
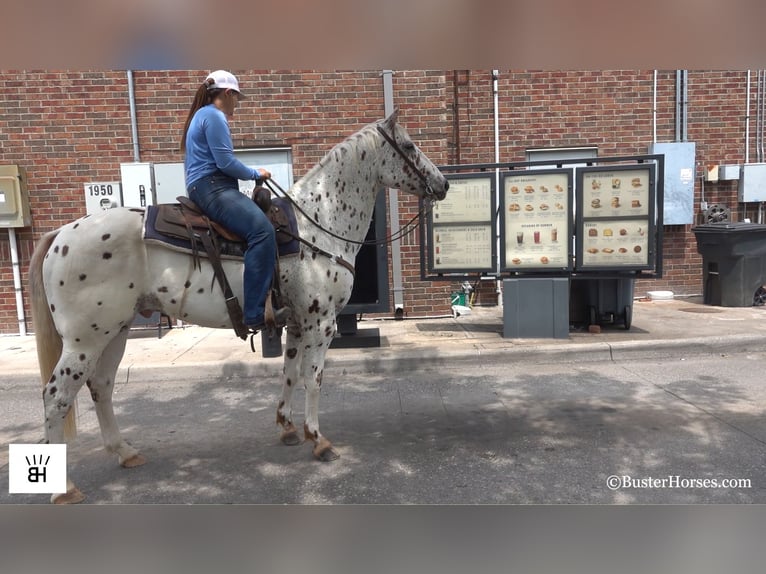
x,y
101,386
74,367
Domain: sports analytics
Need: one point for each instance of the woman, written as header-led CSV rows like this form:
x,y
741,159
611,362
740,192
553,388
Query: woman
x,y
212,172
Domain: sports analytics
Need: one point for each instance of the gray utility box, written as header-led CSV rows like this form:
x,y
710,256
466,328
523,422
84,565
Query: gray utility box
x,y
752,183
733,262
601,300
536,308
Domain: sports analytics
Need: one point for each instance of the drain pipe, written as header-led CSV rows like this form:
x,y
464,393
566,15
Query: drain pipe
x,y
495,75
654,109
747,120
133,118
17,282
393,208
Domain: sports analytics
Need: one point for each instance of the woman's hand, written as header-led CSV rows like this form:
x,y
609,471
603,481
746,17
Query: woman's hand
x,y
263,174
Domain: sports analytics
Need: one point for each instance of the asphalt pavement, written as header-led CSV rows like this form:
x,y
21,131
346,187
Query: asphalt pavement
x,y
445,411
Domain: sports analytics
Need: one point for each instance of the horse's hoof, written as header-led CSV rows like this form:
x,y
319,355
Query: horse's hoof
x,y
71,496
324,451
290,438
133,461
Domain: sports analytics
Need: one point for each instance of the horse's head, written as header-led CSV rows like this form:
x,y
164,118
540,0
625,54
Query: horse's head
x,y
407,168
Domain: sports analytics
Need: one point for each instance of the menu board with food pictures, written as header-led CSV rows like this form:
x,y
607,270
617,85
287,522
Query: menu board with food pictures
x,y
461,226
615,217
615,193
615,242
536,208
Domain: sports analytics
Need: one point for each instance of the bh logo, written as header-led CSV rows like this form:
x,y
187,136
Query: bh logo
x,y
36,468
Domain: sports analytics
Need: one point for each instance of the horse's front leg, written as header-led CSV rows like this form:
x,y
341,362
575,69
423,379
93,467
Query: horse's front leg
x,y
312,368
290,374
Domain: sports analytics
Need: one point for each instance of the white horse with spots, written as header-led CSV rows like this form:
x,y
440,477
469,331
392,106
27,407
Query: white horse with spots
x,y
90,277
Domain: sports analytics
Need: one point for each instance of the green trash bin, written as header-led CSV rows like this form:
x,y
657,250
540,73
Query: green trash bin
x,y
733,262
459,298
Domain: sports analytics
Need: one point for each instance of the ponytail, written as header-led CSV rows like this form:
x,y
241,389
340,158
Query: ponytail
x,y
204,96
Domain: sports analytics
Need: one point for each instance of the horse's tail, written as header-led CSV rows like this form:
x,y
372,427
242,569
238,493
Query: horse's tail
x,y
48,340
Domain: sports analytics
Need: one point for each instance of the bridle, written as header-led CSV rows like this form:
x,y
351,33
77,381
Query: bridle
x,y
429,192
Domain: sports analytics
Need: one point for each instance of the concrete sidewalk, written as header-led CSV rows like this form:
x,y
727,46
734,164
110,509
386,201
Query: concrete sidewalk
x,y
683,326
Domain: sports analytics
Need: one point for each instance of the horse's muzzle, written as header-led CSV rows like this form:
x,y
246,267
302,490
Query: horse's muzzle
x,y
442,193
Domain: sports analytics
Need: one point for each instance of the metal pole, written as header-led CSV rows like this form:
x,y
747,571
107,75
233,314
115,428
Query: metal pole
x,y
495,90
17,282
393,208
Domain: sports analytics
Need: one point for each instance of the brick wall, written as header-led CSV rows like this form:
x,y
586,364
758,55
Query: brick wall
x,y
69,128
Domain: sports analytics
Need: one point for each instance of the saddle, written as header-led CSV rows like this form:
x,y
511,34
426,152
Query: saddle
x,y
185,221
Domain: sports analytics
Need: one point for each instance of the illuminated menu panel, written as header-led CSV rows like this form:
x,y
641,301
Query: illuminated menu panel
x,y
615,223
463,247
615,242
462,237
616,193
469,200
536,211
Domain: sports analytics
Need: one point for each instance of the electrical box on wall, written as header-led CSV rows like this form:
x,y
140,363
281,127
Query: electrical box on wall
x,y
102,195
678,206
752,182
169,181
14,197
137,184
728,172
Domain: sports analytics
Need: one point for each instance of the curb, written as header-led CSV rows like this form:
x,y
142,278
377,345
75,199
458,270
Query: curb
x,y
383,361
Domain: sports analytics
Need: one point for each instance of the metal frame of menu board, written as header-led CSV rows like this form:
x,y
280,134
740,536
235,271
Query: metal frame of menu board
x,y
494,171
536,220
615,225
461,227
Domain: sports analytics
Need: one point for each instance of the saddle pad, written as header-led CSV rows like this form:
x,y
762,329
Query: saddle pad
x,y
229,250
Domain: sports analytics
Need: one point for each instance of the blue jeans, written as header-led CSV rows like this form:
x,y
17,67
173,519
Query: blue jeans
x,y
218,196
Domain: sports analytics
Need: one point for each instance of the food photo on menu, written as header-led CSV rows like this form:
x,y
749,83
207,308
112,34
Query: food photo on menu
x,y
535,217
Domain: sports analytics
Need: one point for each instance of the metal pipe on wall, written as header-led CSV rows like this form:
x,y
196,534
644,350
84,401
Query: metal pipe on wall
x,y
496,115
17,281
133,117
393,209
654,108
747,120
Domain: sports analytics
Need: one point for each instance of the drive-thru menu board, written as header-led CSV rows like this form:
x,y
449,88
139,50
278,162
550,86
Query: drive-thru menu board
x,y
536,212
615,217
461,225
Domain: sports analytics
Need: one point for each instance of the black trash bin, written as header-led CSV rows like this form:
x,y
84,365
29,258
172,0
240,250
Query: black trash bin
x,y
733,262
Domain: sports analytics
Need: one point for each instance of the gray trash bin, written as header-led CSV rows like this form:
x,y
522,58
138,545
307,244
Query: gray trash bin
x,y
733,262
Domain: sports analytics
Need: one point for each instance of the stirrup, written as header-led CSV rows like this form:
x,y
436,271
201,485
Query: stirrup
x,y
276,320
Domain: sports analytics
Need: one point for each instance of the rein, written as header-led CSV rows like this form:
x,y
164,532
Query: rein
x,y
405,230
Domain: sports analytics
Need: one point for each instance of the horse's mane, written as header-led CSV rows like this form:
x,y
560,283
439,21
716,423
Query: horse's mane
x,y
361,139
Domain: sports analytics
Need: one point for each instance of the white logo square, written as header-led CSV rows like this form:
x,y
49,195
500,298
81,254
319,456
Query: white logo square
x,y
36,468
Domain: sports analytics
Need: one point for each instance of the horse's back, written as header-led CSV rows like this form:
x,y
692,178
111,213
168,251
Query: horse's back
x,y
94,271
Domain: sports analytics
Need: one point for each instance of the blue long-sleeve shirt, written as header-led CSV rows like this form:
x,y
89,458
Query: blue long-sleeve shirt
x,y
209,148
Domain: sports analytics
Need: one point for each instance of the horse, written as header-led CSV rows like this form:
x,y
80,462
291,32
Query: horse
x,y
90,277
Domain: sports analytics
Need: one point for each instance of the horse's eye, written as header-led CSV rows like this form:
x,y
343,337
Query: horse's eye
x,y
408,146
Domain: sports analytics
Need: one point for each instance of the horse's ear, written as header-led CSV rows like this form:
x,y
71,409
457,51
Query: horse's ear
x,y
390,121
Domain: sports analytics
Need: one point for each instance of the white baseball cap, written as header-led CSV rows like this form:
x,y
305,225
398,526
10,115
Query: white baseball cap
x,y
224,80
